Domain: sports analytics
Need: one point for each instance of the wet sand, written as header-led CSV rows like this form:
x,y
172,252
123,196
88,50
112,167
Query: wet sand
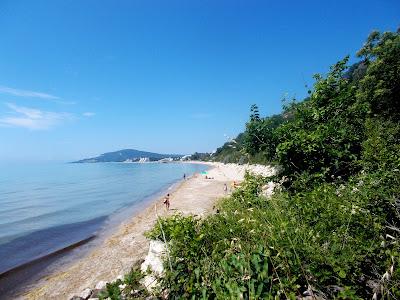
x,y
118,253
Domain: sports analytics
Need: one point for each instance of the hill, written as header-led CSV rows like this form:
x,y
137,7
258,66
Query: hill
x,y
129,155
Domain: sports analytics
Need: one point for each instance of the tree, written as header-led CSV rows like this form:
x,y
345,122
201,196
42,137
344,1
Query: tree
x,y
254,113
380,88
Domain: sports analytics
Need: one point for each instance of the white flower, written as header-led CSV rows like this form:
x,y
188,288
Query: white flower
x,y
122,286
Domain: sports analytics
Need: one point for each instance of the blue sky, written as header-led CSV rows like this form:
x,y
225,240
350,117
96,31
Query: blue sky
x,y
79,78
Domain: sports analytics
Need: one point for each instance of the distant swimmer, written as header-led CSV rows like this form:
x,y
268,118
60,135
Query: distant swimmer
x,y
166,202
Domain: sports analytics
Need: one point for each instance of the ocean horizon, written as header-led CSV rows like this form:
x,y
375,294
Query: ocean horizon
x,y
47,207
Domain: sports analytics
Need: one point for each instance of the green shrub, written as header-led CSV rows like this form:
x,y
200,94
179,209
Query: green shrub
x,y
381,148
128,288
258,248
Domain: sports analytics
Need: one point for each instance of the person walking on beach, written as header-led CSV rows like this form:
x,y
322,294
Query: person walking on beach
x,y
225,188
166,202
184,176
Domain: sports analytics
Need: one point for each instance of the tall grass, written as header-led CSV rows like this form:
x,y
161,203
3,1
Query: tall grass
x,y
329,242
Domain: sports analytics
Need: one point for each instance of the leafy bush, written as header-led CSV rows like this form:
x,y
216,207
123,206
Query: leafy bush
x,y
325,135
128,288
381,148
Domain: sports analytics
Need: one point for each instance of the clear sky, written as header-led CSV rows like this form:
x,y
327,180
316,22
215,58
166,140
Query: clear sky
x,y
79,78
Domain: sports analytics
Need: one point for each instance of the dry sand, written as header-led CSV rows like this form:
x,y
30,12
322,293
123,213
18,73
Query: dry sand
x,y
118,253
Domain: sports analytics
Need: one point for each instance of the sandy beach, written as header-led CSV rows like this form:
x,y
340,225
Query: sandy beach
x,y
127,245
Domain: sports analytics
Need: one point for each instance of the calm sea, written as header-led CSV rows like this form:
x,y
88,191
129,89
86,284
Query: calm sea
x,y
47,207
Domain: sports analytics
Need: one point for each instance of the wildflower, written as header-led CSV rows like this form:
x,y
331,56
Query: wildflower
x,y
355,190
122,286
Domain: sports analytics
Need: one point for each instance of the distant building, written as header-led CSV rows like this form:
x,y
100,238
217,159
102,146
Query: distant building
x,y
167,159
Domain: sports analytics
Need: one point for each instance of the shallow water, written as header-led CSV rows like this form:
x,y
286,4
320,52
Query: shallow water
x,y
47,207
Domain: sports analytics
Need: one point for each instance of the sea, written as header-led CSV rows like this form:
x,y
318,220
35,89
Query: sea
x,y
48,209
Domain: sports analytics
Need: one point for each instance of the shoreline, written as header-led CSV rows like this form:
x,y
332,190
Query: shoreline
x,y
56,262
20,278
16,280
126,244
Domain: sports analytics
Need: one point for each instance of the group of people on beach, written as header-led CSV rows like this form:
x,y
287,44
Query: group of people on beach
x,y
167,200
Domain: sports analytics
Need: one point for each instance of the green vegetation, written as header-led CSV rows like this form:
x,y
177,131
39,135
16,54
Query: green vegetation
x,y
127,288
333,228
330,241
200,156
